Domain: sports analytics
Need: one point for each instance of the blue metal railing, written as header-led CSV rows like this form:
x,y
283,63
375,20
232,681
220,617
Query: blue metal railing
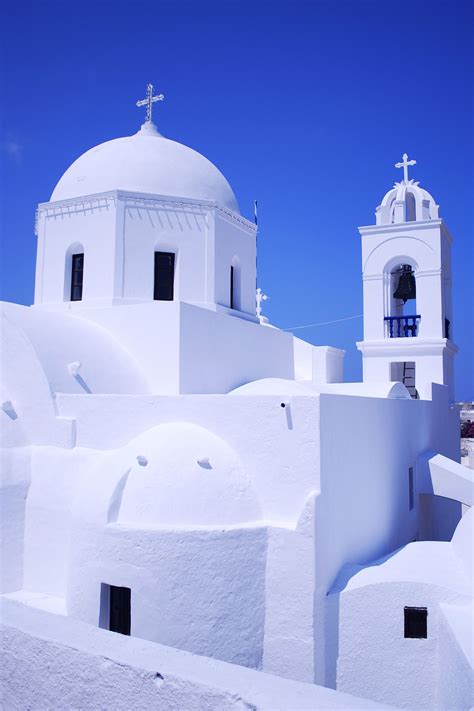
x,y
402,326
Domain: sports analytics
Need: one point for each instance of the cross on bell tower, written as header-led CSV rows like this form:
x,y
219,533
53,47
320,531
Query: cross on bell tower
x,y
404,164
149,101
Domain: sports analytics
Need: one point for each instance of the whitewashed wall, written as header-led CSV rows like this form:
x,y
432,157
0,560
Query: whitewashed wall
x,y
53,662
120,231
367,447
426,246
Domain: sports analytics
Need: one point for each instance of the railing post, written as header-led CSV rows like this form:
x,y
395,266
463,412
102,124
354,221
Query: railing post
x,y
407,326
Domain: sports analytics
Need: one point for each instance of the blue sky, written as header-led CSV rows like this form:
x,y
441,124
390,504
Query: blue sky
x,y
303,105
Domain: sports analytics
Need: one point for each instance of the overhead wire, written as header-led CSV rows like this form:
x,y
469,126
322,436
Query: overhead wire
x,y
322,323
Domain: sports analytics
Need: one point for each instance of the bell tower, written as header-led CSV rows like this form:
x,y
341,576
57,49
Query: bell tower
x,y
406,268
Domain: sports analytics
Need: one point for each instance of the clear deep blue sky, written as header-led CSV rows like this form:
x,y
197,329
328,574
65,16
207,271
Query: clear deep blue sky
x,y
303,105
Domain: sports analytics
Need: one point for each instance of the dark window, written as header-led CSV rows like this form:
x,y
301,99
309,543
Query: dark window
x,y
119,610
77,276
416,622
447,324
411,488
164,276
232,287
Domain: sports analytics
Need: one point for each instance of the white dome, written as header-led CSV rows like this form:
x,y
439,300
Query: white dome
x,y
186,476
395,206
274,386
146,163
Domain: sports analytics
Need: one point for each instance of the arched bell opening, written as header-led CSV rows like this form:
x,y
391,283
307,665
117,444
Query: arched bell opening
x,y
401,315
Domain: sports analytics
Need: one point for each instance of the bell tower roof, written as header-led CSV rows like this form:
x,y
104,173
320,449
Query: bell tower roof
x,y
406,201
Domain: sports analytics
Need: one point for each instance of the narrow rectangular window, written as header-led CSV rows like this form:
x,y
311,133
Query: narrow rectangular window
x,y
119,610
232,287
411,488
447,324
77,276
164,276
416,622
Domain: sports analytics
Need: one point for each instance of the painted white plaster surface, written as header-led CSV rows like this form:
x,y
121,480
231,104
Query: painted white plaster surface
x,y
437,671
275,386
148,163
450,479
14,484
372,518
280,456
30,417
408,231
270,386
40,601
392,391
280,450
125,673
319,364
118,233
219,468
456,634
190,349
213,487
58,339
442,569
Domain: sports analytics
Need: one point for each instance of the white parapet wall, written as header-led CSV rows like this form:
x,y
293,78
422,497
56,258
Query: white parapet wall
x,y
53,662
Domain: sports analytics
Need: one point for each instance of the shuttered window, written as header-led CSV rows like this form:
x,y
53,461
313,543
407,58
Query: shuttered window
x,y
77,276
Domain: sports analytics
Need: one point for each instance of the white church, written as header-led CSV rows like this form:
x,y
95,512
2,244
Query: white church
x,y
181,527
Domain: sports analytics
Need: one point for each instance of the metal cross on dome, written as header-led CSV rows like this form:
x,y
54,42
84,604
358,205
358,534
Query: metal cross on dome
x,y
404,164
149,101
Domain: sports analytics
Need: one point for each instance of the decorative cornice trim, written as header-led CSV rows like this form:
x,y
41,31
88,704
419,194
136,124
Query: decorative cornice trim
x,y
403,227
97,200
428,273
373,277
87,203
406,347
